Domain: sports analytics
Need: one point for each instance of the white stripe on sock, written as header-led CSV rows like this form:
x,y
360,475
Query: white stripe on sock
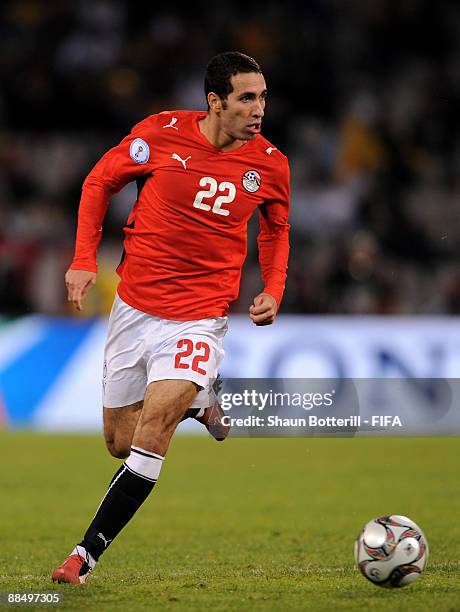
x,y
107,492
149,467
140,475
156,455
200,412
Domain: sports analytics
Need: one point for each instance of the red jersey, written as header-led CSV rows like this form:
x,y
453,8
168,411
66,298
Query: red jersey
x,y
185,239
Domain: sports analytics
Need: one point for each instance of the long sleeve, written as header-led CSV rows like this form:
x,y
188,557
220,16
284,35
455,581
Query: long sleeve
x,y
273,238
119,166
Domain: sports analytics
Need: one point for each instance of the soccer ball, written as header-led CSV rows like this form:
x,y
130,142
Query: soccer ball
x,y
391,551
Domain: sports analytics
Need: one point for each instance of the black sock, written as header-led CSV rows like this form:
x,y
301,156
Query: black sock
x,y
190,413
128,489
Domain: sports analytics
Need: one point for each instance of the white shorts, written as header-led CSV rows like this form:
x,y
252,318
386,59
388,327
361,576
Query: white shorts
x,y
141,349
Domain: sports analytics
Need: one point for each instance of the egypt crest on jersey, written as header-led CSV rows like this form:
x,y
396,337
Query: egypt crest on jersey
x,y
251,181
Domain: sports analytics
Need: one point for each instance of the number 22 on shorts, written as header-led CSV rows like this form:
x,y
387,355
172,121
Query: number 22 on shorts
x,y
202,355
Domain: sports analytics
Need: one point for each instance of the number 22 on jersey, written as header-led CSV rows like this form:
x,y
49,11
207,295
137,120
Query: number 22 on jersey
x,y
210,192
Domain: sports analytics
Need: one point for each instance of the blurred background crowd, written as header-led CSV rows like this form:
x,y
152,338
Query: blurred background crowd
x,y
364,98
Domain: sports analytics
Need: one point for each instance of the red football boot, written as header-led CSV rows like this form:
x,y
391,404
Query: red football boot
x,y
212,420
74,570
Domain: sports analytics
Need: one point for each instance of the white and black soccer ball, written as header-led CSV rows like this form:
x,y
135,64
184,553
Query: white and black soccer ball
x,y
391,551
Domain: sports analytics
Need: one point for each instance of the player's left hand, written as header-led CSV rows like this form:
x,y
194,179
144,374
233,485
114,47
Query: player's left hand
x,y
263,310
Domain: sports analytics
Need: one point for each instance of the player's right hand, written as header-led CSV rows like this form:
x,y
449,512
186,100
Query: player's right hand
x,y
78,283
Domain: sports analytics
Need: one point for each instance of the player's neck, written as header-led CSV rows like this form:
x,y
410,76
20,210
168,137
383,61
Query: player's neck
x,y
211,130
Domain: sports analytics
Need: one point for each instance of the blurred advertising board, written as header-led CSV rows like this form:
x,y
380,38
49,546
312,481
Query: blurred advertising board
x,y
51,368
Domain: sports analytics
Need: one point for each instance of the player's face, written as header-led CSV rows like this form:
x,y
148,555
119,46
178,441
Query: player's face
x,y
242,113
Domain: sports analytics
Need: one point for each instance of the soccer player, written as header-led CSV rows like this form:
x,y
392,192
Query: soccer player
x,y
200,176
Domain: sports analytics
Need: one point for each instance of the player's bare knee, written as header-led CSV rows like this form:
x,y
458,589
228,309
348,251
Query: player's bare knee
x,y
118,449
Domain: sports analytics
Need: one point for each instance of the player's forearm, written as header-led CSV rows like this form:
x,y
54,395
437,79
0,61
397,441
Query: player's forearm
x,y
273,259
91,213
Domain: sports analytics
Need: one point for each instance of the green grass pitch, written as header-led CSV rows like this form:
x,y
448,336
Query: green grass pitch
x,y
265,524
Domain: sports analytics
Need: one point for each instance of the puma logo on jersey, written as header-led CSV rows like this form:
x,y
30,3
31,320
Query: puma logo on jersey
x,y
270,149
182,161
171,124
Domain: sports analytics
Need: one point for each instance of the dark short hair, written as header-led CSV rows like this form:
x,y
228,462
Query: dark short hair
x,y
222,67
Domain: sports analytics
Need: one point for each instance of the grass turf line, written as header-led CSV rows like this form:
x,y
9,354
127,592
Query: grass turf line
x,y
264,524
